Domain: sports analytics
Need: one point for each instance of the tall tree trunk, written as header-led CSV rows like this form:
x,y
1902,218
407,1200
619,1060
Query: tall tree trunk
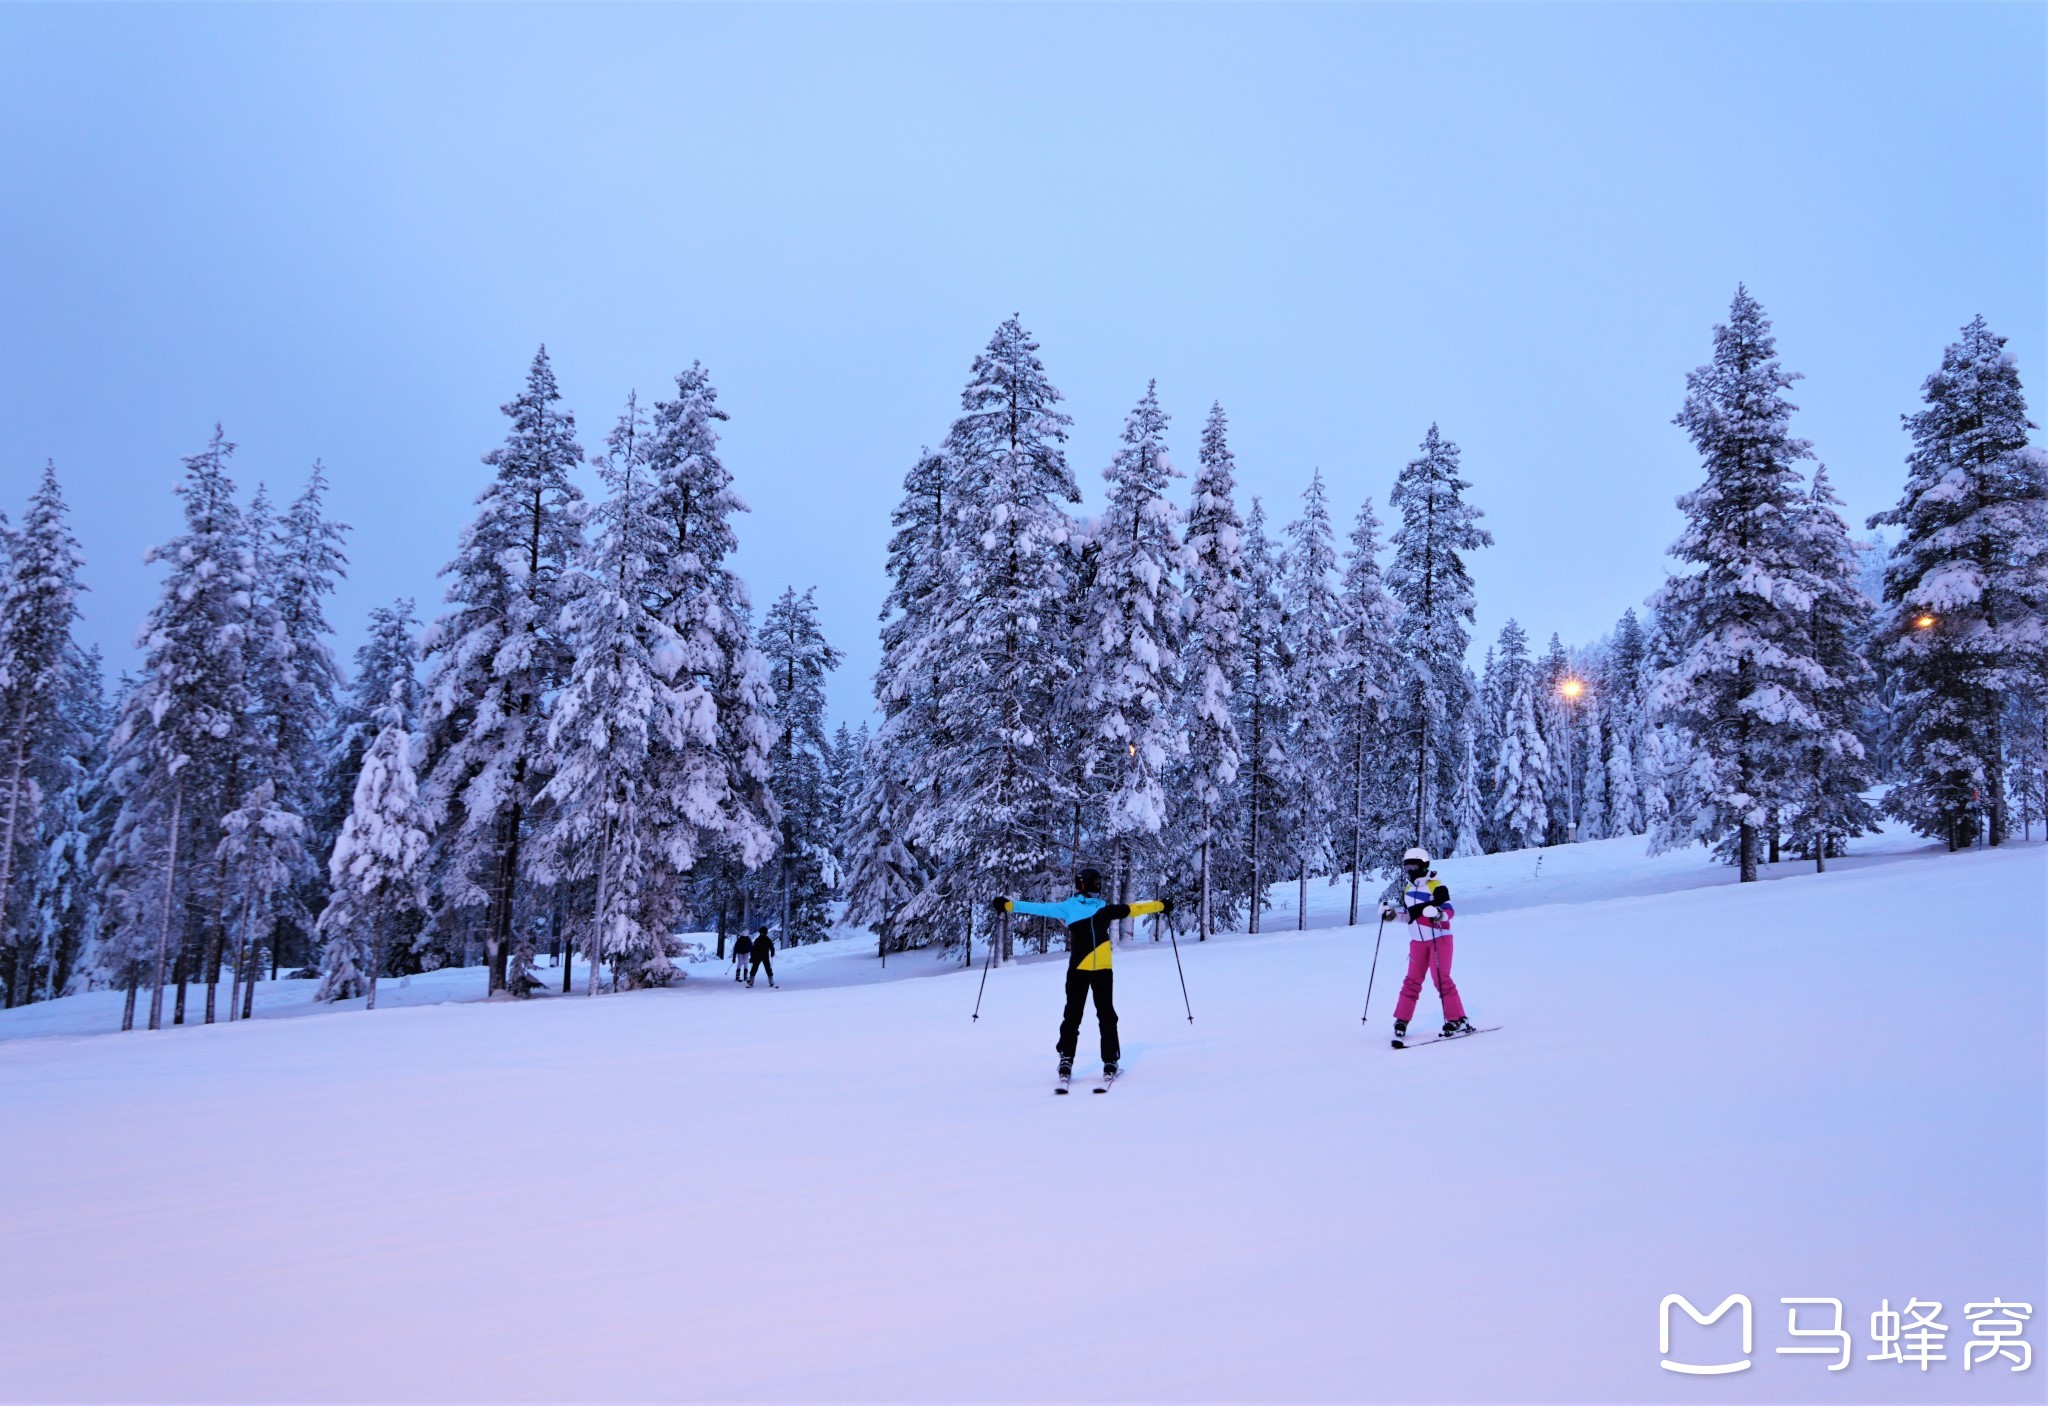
x,y
1203,912
163,932
562,931
604,859
128,1005
376,964
1258,875
183,969
1748,831
14,771
1995,777
1301,901
255,966
1357,811
498,939
216,932
240,957
1421,767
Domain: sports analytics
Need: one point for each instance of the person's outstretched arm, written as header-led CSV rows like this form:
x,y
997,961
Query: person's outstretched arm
x,y
1067,910
1139,910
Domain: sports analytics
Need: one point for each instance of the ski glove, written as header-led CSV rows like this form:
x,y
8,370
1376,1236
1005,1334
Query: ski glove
x,y
1166,906
1387,914
999,905
1431,912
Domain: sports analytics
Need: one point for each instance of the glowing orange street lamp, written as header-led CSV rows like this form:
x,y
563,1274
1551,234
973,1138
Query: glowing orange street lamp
x,y
1925,622
1572,688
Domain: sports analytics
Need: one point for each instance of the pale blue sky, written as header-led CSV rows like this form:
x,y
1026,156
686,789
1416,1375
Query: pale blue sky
x,y
342,232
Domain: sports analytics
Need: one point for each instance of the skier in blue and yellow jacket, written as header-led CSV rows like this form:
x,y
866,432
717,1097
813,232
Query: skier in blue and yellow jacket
x,y
1088,921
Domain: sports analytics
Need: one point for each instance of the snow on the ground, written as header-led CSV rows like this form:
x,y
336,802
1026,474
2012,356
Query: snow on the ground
x,y
1831,1085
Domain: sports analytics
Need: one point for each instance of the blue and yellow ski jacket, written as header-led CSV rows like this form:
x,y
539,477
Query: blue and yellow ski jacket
x,y
1088,925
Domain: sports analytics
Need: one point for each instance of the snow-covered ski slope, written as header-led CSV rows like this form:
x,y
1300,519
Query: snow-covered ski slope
x,y
1817,1086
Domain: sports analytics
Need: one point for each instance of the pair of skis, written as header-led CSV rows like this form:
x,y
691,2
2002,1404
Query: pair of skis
x,y
1439,1039
1065,1085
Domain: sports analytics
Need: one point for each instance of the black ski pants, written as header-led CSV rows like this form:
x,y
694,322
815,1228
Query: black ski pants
x,y
761,964
1079,984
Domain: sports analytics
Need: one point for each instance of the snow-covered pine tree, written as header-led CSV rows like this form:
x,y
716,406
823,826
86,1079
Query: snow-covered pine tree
x,y
1591,723
38,603
127,867
845,778
262,852
885,875
1132,659
1367,685
385,677
1624,791
1828,806
1487,710
1261,703
2026,744
1965,589
497,655
1506,663
73,829
1429,579
1213,654
1623,686
189,713
799,658
1315,661
297,681
911,686
1557,715
633,736
720,798
1521,815
1739,620
1468,844
1004,646
377,870
1879,724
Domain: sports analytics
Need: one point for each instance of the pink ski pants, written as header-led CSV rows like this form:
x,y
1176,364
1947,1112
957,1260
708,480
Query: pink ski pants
x,y
1433,957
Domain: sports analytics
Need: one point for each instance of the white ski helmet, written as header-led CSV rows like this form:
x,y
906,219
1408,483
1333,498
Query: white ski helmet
x,y
1418,853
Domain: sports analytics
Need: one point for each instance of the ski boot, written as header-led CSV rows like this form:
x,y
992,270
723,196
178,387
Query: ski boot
x,y
1109,1069
1066,1069
1453,1028
1400,1034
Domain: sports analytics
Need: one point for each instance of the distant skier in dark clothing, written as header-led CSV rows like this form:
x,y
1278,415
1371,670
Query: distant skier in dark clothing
x,y
740,950
1088,921
762,951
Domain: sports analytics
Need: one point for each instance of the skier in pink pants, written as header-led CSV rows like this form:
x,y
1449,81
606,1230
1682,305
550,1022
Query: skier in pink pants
x,y
1423,901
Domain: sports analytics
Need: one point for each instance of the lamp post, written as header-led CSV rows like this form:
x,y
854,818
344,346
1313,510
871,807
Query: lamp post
x,y
1571,688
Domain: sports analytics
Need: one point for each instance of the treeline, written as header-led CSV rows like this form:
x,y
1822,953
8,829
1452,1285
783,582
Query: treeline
x,y
596,746
1197,702
577,751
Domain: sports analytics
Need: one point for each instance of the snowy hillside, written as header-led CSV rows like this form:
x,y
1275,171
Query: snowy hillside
x,y
1823,1085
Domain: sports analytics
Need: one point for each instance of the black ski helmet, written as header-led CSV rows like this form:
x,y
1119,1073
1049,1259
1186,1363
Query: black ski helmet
x,y
1088,880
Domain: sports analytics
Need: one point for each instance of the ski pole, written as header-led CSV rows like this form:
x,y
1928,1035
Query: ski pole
x,y
1375,966
984,975
1183,974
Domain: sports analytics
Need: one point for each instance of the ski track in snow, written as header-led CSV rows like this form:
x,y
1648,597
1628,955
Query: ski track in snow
x,y
845,1190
